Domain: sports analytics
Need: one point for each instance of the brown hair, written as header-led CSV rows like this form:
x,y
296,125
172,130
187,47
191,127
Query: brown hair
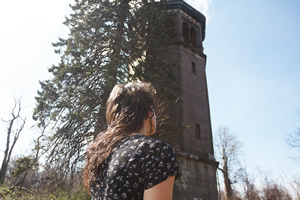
x,y
126,108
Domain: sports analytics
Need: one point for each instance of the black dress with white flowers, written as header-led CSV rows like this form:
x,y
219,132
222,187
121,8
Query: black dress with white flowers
x,y
137,163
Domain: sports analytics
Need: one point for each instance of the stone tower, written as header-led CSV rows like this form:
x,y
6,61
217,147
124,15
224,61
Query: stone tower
x,y
194,144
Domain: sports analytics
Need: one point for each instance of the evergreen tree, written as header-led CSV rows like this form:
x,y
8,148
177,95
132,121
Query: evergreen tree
x,y
110,41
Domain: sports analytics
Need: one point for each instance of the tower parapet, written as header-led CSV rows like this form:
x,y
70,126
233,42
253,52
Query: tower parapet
x,y
188,24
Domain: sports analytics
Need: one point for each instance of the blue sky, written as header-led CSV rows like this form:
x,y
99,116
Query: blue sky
x,y
253,68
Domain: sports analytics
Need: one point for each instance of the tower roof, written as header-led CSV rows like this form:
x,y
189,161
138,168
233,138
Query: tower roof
x,y
182,5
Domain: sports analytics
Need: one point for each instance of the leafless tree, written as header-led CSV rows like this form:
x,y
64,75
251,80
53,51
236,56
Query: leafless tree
x,y
15,126
293,141
228,149
250,190
296,187
272,190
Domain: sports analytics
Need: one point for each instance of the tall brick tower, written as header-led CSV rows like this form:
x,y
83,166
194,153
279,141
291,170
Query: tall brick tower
x,y
194,144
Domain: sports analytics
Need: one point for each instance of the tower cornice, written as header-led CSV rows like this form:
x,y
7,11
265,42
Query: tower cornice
x,y
188,9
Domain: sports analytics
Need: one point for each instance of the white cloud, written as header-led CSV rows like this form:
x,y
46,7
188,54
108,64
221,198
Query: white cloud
x,y
203,6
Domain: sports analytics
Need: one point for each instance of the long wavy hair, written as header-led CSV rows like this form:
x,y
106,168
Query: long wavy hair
x,y
126,108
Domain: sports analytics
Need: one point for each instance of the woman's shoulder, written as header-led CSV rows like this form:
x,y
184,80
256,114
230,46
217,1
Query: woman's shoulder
x,y
144,146
156,158
146,142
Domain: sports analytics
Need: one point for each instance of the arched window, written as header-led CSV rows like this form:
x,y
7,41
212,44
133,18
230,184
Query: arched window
x,y
193,37
185,32
170,27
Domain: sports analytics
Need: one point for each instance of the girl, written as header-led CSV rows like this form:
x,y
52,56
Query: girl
x,y
124,162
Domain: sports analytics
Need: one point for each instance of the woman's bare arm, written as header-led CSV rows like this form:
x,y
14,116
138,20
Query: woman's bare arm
x,y
161,191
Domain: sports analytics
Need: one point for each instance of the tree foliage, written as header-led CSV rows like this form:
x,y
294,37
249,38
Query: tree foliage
x,y
109,42
22,164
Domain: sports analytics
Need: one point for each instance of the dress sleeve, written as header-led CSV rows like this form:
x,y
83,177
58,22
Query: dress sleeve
x,y
159,164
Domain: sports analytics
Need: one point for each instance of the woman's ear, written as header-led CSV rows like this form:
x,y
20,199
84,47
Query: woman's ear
x,y
151,114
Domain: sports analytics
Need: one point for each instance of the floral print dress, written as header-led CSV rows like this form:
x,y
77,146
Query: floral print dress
x,y
137,163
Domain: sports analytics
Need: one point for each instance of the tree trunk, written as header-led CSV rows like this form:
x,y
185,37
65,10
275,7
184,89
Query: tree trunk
x,y
3,171
112,73
228,188
6,152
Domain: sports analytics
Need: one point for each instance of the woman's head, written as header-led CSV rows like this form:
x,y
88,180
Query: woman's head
x,y
129,105
129,108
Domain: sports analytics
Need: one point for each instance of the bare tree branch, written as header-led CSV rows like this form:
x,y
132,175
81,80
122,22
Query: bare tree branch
x,y
293,140
16,120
